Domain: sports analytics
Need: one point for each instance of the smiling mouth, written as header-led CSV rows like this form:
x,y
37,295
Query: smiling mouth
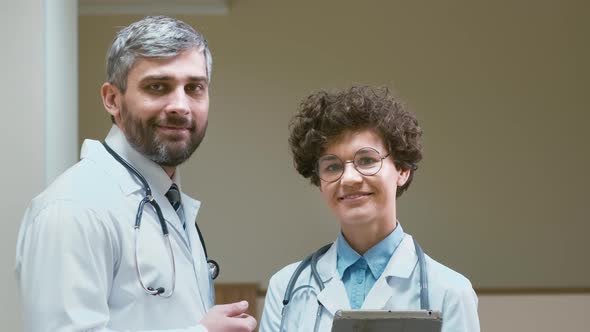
x,y
173,128
354,197
175,123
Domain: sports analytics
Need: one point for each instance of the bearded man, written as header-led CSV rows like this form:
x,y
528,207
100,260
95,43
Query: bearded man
x,y
112,245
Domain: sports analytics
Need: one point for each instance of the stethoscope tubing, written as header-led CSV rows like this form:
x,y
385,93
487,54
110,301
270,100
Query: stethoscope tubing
x,y
213,266
312,260
148,199
150,290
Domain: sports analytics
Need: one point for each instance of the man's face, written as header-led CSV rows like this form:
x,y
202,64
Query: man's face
x,y
163,113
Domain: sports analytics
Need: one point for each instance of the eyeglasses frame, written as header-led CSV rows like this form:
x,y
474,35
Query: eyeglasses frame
x,y
344,162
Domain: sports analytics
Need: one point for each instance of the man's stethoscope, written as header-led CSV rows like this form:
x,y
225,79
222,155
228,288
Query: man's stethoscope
x,y
149,199
312,261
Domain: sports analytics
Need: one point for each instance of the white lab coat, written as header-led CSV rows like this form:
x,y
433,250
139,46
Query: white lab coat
x,y
398,288
75,260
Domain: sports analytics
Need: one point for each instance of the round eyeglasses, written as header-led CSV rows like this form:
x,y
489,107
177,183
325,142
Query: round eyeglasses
x,y
366,161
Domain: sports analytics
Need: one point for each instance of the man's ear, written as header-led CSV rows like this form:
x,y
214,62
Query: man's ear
x,y
112,99
403,177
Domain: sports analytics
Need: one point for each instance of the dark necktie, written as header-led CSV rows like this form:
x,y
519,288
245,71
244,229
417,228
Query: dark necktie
x,y
173,196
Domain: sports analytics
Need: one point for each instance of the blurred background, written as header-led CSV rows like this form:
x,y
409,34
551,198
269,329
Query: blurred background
x,y
499,88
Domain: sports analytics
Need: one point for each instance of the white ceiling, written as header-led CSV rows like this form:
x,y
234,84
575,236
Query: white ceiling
x,y
153,7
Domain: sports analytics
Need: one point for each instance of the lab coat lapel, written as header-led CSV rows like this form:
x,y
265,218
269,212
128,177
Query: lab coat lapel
x,y
333,297
379,295
172,219
400,265
403,261
168,211
191,208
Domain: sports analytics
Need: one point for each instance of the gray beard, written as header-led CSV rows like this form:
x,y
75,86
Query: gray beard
x,y
142,137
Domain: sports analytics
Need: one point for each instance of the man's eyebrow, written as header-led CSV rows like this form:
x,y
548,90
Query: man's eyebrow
x,y
156,78
329,157
170,78
198,78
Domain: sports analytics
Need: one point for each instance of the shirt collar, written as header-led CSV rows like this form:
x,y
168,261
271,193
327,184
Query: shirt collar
x,y
155,175
377,257
346,256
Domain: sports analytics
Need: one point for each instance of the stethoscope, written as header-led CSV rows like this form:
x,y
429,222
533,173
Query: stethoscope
x,y
312,261
149,199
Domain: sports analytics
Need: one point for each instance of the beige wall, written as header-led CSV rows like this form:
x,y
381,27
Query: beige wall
x,y
534,313
499,88
22,135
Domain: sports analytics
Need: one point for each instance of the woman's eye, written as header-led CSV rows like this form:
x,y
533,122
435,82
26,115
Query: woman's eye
x,y
335,167
366,161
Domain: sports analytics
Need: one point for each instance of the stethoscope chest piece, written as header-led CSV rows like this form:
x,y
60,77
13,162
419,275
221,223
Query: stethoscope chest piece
x,y
213,268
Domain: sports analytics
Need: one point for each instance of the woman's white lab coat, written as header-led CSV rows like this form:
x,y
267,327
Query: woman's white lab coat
x,y
398,288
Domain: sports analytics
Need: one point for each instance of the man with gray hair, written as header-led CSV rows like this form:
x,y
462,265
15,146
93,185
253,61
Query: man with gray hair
x,y
111,245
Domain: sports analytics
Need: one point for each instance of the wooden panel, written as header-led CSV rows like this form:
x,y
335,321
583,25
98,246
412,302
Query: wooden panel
x,y
235,292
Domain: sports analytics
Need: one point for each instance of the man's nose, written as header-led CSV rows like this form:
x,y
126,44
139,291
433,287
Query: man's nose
x,y
179,102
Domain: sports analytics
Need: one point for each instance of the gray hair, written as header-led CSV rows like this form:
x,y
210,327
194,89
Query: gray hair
x,y
151,37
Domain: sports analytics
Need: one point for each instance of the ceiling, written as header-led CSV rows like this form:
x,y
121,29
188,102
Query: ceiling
x,y
152,7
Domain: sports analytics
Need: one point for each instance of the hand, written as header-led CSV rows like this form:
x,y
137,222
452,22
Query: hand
x,y
230,317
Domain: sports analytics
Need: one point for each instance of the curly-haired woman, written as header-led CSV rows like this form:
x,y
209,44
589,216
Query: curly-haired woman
x,y
361,149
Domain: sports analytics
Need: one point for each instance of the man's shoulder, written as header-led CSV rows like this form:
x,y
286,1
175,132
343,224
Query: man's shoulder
x,y
85,184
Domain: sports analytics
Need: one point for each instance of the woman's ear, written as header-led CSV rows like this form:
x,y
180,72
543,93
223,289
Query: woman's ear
x,y
403,176
112,99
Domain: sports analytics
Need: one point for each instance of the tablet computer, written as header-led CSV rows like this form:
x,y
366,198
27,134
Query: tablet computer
x,y
386,320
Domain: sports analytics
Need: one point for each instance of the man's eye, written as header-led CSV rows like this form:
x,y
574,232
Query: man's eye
x,y
156,87
194,87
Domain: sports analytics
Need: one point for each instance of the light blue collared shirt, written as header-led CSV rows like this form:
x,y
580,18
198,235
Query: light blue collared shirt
x,y
359,273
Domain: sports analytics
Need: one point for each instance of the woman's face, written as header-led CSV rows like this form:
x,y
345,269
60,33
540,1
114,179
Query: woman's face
x,y
357,199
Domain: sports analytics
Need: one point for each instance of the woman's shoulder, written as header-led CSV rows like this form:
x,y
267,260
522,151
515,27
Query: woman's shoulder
x,y
281,278
442,276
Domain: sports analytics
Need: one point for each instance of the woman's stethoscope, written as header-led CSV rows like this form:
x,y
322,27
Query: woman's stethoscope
x,y
312,261
149,199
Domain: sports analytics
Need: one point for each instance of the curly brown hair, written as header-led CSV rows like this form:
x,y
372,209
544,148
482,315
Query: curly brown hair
x,y
324,116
